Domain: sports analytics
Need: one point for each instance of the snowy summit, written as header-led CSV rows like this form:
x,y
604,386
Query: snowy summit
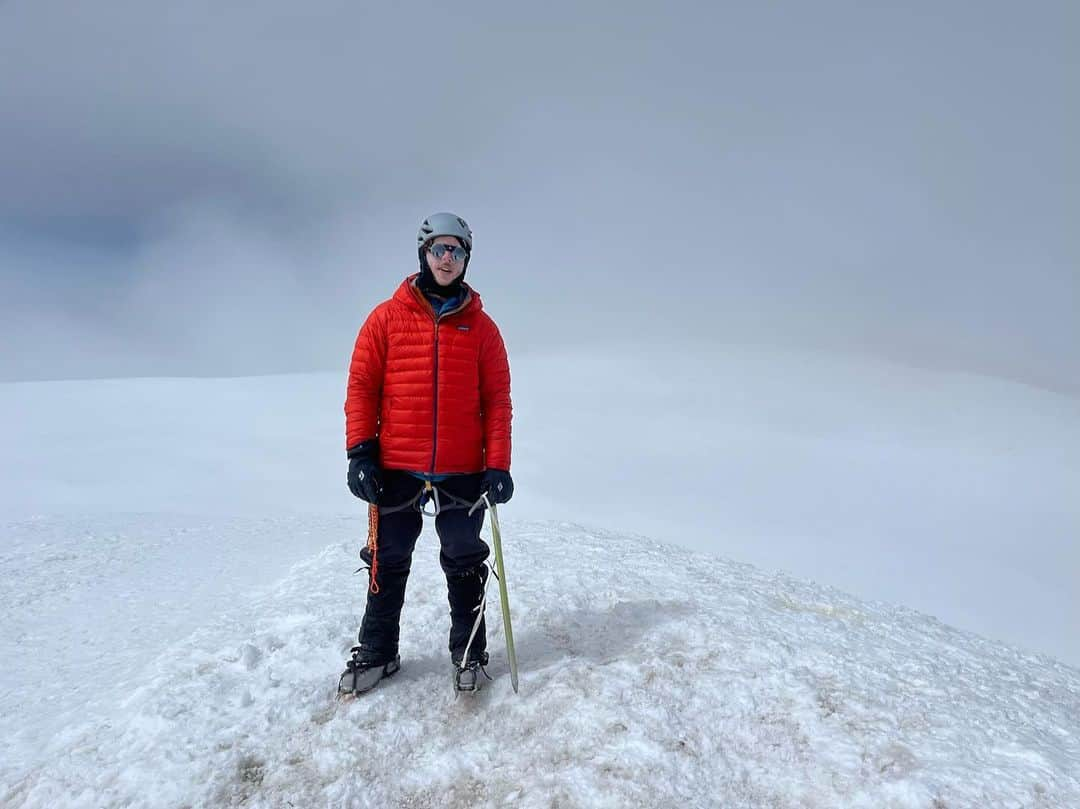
x,y
174,627
650,676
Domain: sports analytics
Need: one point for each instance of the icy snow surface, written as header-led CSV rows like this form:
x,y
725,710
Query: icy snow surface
x,y
952,494
177,597
650,676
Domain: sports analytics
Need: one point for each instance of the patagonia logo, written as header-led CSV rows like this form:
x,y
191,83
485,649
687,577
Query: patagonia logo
x,y
462,328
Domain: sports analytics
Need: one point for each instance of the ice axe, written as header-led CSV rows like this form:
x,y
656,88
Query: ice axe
x,y
504,599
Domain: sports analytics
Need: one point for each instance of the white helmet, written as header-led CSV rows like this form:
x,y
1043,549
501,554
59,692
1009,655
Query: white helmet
x,y
444,224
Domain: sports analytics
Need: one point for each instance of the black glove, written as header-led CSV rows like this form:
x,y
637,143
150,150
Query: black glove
x,y
365,476
499,485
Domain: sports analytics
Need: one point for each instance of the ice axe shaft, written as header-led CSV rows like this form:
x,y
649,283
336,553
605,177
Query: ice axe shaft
x,y
504,599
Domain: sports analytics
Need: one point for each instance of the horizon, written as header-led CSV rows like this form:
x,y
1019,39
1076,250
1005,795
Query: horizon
x,y
836,469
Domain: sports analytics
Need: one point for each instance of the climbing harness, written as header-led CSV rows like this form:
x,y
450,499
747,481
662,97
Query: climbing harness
x,y
418,502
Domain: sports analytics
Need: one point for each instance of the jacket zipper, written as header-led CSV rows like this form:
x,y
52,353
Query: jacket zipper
x,y
435,411
435,398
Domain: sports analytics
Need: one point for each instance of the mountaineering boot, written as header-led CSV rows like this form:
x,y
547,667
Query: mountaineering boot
x,y
467,674
363,672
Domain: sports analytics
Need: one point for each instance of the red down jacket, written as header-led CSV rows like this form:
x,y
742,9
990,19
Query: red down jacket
x,y
436,392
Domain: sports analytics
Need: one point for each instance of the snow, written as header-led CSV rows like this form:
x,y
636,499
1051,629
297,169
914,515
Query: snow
x,y
89,601
177,595
650,675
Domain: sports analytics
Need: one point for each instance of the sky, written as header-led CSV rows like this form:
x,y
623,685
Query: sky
x,y
203,190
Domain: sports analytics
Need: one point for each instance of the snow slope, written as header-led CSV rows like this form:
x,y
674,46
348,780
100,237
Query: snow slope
x,y
89,600
949,493
650,676
176,597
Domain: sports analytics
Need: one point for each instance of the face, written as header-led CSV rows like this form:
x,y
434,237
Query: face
x,y
445,269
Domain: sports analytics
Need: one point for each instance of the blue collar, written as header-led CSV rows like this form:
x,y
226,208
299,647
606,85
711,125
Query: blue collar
x,y
441,305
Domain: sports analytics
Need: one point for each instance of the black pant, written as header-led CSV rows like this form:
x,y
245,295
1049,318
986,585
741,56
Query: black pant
x,y
462,555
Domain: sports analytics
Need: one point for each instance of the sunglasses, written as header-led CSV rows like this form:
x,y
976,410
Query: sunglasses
x,y
440,250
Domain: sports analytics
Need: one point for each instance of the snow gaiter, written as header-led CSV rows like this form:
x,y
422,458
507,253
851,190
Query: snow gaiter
x,y
465,592
381,626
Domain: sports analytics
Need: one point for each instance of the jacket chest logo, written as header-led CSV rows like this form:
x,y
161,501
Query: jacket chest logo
x,y
462,328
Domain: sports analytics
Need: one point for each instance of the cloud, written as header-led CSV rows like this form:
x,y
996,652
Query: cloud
x,y
249,184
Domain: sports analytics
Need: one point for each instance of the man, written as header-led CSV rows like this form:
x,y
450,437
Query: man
x,y
427,420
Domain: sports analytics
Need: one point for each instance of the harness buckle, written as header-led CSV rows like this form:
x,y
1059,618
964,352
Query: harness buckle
x,y
432,493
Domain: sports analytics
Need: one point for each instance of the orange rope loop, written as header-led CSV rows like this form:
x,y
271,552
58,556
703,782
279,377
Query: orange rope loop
x,y
373,544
